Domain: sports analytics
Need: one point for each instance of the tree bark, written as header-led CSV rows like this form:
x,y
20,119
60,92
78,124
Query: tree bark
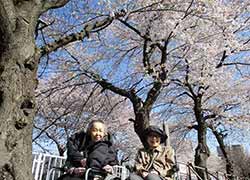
x,y
19,58
220,139
202,151
18,68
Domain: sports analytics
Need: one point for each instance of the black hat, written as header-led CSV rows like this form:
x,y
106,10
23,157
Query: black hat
x,y
156,130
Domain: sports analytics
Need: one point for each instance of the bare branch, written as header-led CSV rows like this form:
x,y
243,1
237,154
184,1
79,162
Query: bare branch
x,y
224,56
211,116
134,29
47,127
236,63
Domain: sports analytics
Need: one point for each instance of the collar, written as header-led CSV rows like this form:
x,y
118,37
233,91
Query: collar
x,y
158,149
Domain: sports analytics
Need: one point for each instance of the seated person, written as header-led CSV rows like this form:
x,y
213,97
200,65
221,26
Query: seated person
x,y
89,150
154,161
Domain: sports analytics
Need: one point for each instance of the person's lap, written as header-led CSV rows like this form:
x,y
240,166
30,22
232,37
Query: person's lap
x,y
70,177
150,176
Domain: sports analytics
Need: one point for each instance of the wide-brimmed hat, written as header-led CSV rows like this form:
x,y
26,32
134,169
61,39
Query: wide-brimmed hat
x,y
156,130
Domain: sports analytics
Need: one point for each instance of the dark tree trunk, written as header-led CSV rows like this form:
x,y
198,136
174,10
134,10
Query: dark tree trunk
x,y
141,120
18,80
19,59
142,109
17,108
202,151
220,139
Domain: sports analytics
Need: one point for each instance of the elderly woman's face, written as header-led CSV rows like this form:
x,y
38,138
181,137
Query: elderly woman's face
x,y
153,140
97,131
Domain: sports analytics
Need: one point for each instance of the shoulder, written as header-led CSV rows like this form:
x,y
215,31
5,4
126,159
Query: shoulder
x,y
142,150
78,134
167,148
78,137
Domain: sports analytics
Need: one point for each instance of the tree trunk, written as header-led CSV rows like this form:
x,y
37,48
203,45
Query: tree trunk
x,y
202,151
17,108
18,67
220,139
141,121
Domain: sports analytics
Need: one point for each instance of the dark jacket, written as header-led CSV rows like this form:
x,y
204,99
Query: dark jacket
x,y
77,149
100,154
79,146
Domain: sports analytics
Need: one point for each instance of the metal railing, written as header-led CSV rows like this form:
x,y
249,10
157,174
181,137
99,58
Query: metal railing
x,y
190,173
42,163
43,167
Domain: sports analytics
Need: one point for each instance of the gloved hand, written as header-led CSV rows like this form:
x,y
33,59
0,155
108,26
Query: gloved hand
x,y
144,174
83,162
71,170
79,171
108,168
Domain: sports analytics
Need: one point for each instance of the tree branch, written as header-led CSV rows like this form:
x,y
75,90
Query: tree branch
x,y
224,56
135,30
53,4
236,63
211,116
88,28
153,94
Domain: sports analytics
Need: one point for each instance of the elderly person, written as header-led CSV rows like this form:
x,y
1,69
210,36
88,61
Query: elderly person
x,y
92,149
154,161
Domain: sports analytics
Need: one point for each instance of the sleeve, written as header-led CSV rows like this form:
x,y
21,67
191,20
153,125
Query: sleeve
x,y
73,147
169,158
139,168
112,156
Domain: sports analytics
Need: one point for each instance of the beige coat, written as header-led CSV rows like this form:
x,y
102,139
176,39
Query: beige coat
x,y
160,159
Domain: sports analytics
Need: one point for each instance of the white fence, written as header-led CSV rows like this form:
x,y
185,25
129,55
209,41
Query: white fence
x,y
42,163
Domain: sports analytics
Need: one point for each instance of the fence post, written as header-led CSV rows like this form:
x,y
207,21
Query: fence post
x,y
38,163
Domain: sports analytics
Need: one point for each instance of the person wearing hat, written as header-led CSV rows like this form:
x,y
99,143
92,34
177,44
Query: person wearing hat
x,y
154,161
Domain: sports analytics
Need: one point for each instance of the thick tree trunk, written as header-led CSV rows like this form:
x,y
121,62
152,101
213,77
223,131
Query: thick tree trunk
x,y
17,84
18,69
17,109
202,151
141,121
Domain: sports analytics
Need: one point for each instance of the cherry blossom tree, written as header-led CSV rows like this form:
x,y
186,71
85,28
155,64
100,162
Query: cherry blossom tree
x,y
195,45
153,48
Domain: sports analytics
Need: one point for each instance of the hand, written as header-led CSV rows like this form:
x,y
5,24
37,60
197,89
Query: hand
x,y
83,162
108,168
71,170
144,174
154,172
79,171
